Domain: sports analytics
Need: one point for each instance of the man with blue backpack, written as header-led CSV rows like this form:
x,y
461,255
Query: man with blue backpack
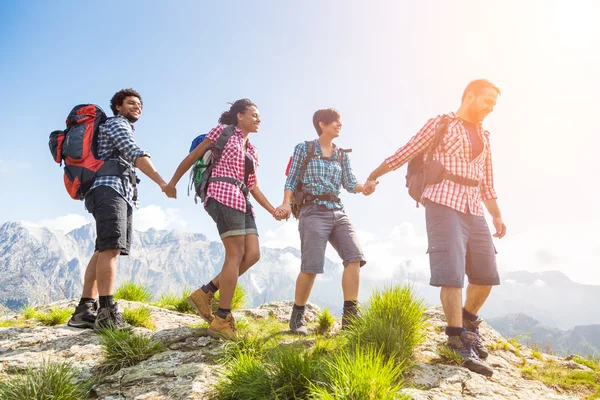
x,y
100,157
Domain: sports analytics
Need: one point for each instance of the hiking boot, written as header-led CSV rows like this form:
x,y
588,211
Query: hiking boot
x,y
465,347
348,317
297,322
223,328
202,303
473,326
111,318
84,316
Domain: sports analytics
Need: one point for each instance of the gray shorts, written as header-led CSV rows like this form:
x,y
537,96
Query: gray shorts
x,y
232,222
459,244
319,225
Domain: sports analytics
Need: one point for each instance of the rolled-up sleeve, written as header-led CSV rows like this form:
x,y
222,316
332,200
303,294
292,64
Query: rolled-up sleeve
x,y
349,181
295,167
487,183
418,143
122,135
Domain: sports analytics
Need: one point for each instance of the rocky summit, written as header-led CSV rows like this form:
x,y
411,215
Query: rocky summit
x,y
188,366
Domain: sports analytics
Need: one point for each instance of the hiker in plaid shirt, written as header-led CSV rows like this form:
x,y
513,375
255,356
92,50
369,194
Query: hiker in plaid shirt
x,y
460,241
111,200
322,216
231,210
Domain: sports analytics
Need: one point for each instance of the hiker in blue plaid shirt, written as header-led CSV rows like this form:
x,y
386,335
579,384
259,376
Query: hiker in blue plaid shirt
x,y
321,217
110,200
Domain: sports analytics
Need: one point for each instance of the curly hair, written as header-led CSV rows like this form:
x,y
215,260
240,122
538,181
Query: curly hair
x,y
118,98
477,87
229,117
327,116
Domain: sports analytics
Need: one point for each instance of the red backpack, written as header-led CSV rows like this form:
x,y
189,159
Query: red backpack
x,y
77,146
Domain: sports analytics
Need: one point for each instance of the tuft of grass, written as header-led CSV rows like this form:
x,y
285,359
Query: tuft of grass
x,y
175,302
131,291
238,301
139,316
29,312
535,353
124,349
449,355
360,373
13,323
590,362
325,346
51,380
199,325
584,383
391,321
324,321
54,316
246,378
294,371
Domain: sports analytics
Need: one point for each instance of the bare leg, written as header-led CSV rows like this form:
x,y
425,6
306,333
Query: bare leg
x,y
234,254
350,281
304,285
90,286
106,270
451,298
476,296
251,257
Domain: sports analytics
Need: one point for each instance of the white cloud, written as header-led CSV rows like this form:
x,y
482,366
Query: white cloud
x,y
154,216
65,223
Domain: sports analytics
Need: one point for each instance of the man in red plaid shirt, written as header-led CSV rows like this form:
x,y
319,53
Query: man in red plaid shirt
x,y
460,241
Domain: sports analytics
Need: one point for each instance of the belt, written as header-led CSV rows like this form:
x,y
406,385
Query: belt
x,y
461,180
323,197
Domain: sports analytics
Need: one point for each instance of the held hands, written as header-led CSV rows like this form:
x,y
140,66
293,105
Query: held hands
x,y
169,190
282,212
369,187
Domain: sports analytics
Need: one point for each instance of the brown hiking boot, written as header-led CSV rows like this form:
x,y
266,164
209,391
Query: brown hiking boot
x,y
223,328
465,347
202,303
349,316
473,326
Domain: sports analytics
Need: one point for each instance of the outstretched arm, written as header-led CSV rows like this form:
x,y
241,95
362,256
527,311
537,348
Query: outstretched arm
x,y
184,166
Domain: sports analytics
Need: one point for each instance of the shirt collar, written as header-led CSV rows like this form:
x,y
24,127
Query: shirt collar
x,y
125,119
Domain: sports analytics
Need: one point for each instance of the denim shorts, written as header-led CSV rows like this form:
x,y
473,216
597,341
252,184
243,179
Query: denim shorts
x,y
319,225
459,244
113,217
231,222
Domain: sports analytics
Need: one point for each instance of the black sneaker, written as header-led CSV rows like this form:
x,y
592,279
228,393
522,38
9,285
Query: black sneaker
x,y
465,347
348,317
297,322
111,318
84,316
473,326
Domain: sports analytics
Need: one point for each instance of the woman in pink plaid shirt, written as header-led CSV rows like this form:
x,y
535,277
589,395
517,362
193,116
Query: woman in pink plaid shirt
x,y
229,206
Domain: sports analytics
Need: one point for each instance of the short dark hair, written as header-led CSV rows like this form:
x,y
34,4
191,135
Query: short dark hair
x,y
229,117
327,116
118,98
477,87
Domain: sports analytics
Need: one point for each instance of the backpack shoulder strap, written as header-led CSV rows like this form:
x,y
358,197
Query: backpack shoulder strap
x,y
310,154
440,132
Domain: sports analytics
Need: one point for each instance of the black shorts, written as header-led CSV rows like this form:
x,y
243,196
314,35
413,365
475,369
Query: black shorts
x,y
232,222
113,217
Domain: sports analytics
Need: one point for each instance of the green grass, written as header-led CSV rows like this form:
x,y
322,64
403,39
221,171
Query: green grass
x,y
123,349
586,384
139,316
591,362
360,373
50,381
238,301
176,302
449,355
13,323
535,353
199,325
392,320
54,316
295,369
246,378
29,312
131,291
324,321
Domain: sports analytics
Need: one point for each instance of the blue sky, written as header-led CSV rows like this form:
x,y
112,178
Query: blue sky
x,y
387,66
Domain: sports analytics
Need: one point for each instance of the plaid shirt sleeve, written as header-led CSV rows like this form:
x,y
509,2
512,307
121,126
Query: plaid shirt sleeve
x,y
349,181
122,135
487,183
421,141
300,152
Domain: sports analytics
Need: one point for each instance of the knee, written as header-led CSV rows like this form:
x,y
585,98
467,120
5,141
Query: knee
x,y
235,254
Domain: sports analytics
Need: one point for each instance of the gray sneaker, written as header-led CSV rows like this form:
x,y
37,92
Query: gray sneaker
x,y
111,318
348,317
84,316
465,347
473,326
297,322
